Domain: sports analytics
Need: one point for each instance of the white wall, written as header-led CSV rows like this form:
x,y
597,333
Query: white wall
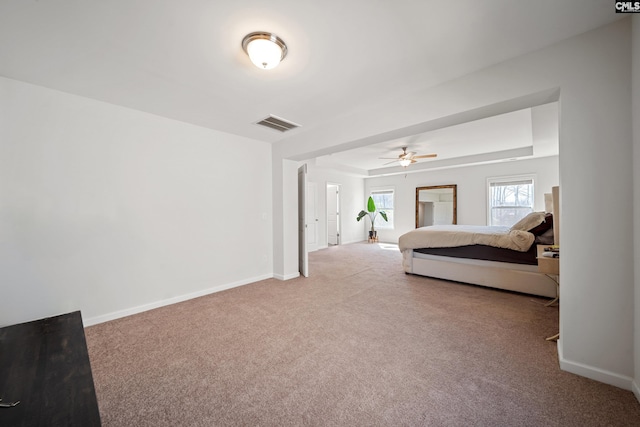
x,y
285,217
596,292
109,210
351,194
471,190
636,191
592,75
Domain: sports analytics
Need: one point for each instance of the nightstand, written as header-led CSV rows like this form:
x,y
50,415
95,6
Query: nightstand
x,y
550,267
547,265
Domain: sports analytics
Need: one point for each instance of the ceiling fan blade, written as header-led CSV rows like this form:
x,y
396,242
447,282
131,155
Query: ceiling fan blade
x,y
388,163
425,156
408,154
388,158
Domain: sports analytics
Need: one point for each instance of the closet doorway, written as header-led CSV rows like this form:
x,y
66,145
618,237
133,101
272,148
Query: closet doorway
x,y
333,214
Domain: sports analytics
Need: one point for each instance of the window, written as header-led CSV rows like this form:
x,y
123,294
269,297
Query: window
x,y
384,202
510,199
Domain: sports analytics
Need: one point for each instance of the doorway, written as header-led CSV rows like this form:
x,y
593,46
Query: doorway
x,y
333,214
303,256
311,219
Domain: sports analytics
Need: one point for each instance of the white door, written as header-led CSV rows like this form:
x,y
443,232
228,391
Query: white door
x,y
333,214
312,216
303,256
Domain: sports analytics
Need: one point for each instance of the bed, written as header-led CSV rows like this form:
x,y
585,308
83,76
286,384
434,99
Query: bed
x,y
502,258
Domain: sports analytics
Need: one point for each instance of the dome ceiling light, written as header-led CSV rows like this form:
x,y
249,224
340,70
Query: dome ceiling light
x,y
265,50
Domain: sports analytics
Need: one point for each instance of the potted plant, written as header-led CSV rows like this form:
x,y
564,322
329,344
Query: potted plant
x,y
372,212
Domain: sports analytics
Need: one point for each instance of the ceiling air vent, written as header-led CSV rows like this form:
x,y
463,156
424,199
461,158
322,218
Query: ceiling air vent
x,y
277,123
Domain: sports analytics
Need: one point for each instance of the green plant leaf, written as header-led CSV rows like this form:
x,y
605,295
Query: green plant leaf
x,y
371,206
383,214
361,215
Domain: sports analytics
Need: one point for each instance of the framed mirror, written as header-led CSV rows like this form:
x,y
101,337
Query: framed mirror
x,y
436,205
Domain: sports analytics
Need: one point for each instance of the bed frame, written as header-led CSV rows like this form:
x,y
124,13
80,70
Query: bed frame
x,y
511,277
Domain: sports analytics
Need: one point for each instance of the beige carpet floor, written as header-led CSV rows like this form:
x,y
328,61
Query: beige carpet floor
x,y
359,343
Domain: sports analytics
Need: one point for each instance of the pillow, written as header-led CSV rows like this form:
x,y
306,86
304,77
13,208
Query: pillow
x,y
530,221
545,238
546,225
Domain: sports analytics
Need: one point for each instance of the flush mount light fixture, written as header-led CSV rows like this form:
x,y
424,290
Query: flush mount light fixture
x,y
265,50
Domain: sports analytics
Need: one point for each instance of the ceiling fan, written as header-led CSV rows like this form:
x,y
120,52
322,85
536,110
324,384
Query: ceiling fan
x,y
407,157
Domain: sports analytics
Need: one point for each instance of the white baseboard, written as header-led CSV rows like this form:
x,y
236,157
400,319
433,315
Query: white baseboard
x,y
596,374
180,298
348,242
286,276
635,389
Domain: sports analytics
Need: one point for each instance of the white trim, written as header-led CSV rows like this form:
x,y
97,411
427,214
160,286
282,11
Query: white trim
x,y
607,377
286,276
349,242
635,389
387,188
326,216
180,298
320,248
505,179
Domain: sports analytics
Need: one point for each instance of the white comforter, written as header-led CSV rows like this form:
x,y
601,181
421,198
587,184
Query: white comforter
x,y
448,236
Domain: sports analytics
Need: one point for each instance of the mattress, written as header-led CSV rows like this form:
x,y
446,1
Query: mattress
x,y
485,253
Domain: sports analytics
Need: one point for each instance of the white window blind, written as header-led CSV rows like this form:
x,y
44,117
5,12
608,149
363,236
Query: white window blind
x,y
384,202
510,199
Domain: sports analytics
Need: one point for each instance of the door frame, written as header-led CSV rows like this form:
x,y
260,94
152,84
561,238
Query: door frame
x,y
303,254
338,215
311,218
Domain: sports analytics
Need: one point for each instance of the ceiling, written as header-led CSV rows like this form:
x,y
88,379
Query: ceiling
x,y
527,133
183,59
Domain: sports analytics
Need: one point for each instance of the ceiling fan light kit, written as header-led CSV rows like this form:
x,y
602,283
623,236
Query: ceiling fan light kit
x,y
408,157
266,50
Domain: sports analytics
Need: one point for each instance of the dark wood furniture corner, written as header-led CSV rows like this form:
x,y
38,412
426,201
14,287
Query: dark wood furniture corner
x,y
44,364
